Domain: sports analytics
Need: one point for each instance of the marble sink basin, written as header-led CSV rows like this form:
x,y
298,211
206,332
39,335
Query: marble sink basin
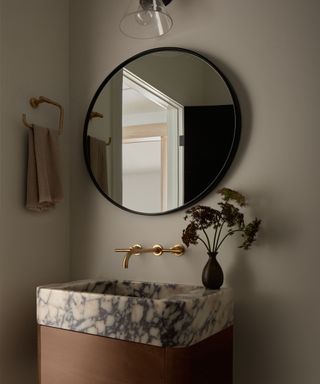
x,y
166,315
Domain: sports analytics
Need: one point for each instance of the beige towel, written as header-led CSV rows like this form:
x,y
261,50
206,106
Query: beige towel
x,y
44,188
98,162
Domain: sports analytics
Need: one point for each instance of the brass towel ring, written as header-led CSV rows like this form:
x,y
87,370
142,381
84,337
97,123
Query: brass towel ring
x,y
34,102
93,115
24,120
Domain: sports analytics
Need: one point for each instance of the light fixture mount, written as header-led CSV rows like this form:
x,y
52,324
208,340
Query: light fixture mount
x,y
149,2
146,19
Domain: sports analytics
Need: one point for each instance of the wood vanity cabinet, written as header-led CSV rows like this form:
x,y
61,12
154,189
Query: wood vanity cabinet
x,y
67,357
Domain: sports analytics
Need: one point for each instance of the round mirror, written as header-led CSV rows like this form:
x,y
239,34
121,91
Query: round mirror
x,y
161,131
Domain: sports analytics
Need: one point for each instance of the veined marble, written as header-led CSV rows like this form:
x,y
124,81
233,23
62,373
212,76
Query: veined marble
x,y
166,315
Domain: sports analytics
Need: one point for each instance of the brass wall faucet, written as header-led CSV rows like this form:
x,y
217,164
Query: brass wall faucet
x,y
157,250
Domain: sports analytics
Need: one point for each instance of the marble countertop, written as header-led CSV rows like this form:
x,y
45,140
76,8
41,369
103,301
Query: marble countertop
x,y
165,315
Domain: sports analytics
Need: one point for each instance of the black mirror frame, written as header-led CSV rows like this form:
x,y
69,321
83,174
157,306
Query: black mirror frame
x,y
229,159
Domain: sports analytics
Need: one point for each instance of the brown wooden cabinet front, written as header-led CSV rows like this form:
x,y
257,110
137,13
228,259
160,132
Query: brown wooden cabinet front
x,y
67,357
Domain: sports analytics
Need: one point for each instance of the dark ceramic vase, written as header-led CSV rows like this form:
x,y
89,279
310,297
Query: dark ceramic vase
x,y
212,274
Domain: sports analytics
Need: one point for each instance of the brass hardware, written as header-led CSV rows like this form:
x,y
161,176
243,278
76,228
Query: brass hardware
x,y
157,250
134,250
34,102
177,249
24,120
96,114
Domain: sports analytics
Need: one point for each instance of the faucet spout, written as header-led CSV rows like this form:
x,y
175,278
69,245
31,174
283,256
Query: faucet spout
x,y
125,261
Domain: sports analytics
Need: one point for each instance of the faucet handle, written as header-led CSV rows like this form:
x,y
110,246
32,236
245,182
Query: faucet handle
x,y
178,249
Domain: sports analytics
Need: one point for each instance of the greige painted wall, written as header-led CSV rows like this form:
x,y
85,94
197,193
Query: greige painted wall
x,y
269,51
34,248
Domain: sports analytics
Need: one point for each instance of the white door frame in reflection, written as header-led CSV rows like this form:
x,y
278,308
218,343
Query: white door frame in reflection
x,y
165,126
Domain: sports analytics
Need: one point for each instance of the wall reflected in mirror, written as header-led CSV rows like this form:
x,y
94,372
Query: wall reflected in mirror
x,y
167,132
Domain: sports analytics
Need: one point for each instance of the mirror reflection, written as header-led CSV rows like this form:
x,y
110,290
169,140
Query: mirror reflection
x,y
161,131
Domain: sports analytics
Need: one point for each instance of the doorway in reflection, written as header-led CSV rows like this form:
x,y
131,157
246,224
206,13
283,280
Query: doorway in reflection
x,y
152,159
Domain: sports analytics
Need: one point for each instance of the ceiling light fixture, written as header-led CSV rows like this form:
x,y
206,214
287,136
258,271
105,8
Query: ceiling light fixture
x,y
146,19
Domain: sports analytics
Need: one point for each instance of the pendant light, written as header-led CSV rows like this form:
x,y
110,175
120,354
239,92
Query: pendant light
x,y
146,19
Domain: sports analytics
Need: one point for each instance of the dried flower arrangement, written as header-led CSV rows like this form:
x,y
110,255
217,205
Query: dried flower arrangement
x,y
225,222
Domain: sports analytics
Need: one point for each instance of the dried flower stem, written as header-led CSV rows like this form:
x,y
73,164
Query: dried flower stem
x,y
209,244
228,234
208,249
219,234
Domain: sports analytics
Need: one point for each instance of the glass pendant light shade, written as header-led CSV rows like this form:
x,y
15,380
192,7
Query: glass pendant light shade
x,y
146,19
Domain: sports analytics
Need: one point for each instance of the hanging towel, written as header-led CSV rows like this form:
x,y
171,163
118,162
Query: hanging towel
x,y
98,162
44,187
